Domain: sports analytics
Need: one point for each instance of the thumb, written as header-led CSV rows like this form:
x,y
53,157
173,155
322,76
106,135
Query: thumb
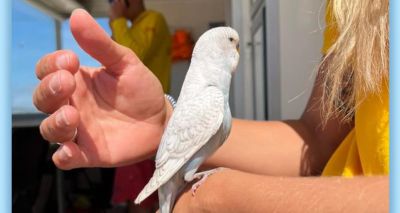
x,y
98,44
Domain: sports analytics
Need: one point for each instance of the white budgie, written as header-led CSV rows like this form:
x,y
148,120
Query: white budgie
x,y
201,121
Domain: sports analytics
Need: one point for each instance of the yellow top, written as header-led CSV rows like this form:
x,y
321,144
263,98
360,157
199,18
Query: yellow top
x,y
365,150
150,39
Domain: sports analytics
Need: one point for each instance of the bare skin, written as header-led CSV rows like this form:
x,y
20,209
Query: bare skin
x,y
119,112
236,191
302,147
272,157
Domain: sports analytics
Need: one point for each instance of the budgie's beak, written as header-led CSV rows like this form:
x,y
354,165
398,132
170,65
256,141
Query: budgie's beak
x,y
237,47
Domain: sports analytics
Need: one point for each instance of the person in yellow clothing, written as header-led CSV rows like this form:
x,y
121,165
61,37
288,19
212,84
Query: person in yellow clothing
x,y
146,33
365,150
334,158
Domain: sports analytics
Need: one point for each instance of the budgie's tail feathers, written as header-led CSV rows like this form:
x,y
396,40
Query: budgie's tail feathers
x,y
151,187
161,175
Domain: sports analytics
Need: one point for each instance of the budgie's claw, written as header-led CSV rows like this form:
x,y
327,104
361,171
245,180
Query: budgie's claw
x,y
202,176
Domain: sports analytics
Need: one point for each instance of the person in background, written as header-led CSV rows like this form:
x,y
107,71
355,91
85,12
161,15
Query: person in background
x,y
146,33
335,158
364,92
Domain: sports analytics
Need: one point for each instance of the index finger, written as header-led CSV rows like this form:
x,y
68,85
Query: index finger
x,y
58,60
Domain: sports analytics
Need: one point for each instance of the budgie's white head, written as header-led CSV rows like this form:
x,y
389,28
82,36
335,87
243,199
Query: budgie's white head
x,y
218,47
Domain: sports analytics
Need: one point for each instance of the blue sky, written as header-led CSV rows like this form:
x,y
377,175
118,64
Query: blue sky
x,y
33,35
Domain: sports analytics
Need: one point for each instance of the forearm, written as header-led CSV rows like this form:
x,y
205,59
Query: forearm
x,y
272,147
234,191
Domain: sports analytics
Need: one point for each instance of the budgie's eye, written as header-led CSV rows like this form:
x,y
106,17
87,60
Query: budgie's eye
x,y
231,39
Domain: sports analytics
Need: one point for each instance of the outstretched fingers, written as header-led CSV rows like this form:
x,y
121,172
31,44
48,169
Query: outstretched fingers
x,y
61,127
56,72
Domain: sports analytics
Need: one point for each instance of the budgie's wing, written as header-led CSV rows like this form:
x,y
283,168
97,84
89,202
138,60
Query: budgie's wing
x,y
191,126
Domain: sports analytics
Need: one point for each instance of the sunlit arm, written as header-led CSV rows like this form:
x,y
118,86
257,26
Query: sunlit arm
x,y
288,148
235,191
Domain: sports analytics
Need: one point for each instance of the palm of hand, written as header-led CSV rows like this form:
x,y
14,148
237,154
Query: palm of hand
x,y
121,117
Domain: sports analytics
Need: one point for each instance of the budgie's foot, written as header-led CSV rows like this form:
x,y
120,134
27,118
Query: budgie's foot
x,y
203,176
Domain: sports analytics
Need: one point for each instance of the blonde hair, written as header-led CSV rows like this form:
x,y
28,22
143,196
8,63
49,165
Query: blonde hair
x,y
357,63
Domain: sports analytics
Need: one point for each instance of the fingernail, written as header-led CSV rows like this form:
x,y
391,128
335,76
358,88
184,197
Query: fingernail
x,y
64,153
62,61
55,84
61,119
75,134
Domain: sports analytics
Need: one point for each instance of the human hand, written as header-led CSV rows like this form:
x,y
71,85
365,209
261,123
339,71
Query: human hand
x,y
117,9
118,111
